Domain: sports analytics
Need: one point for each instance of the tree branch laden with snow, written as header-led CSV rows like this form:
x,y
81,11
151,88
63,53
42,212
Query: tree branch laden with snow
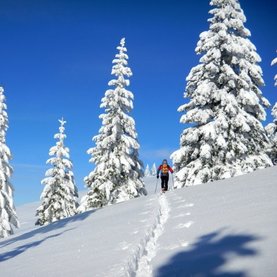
x,y
59,196
225,137
274,62
271,128
8,217
118,173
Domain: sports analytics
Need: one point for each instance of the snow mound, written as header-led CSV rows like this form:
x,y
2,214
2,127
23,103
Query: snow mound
x,y
224,228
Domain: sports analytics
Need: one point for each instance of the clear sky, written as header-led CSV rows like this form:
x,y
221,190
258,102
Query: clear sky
x,y
56,61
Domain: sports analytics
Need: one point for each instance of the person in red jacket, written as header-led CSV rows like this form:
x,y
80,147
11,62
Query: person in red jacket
x,y
163,170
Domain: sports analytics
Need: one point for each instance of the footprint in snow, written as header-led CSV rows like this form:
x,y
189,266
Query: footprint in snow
x,y
185,206
144,213
184,225
172,247
179,245
183,201
184,244
181,215
124,245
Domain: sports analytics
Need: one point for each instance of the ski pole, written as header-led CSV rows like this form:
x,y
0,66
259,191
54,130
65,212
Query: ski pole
x,y
156,185
172,181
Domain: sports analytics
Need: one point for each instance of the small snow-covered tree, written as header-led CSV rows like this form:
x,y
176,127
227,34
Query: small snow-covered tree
x,y
147,171
225,136
59,196
8,217
154,170
118,173
271,128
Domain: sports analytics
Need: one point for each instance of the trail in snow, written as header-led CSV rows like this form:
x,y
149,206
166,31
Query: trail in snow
x,y
233,231
144,267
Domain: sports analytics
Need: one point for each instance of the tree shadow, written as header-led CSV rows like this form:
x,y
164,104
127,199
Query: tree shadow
x,y
208,255
45,229
22,248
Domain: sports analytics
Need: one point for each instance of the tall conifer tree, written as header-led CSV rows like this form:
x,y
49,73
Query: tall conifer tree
x,y
225,136
118,173
8,217
59,196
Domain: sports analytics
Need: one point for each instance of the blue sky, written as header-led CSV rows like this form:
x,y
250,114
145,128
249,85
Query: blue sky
x,y
56,61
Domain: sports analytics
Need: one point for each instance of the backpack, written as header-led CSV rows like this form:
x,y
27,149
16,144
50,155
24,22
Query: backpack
x,y
164,169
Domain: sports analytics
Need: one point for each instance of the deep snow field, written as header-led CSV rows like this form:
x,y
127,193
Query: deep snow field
x,y
224,228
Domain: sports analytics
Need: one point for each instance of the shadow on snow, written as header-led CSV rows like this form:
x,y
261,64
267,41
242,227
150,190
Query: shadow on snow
x,y
208,256
20,249
38,231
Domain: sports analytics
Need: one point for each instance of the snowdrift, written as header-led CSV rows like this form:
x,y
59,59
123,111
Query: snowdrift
x,y
225,228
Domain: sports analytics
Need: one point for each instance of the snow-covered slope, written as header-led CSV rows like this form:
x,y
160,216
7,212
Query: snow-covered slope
x,y
225,228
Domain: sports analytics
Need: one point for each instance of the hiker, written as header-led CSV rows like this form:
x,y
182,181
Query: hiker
x,y
164,168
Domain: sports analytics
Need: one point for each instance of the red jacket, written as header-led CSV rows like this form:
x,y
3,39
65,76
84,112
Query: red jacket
x,y
160,169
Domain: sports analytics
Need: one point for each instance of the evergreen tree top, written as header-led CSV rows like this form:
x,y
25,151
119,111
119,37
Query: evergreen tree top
x,y
3,116
122,42
120,68
61,136
63,122
118,173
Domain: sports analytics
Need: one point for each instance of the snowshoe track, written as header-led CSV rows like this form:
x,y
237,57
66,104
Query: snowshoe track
x,y
141,264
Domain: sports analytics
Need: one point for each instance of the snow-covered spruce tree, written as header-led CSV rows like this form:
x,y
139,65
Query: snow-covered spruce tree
x,y
274,62
8,217
147,171
154,170
271,128
225,136
118,173
59,196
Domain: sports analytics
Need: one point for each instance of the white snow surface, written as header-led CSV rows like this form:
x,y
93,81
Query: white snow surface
x,y
224,228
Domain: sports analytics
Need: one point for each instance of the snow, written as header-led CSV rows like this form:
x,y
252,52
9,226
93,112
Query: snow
x,y
8,217
118,171
271,128
224,228
59,196
144,264
227,228
223,98
274,62
147,172
154,170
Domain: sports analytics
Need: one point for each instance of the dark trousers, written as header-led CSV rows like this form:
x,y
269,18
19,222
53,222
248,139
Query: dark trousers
x,y
165,182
